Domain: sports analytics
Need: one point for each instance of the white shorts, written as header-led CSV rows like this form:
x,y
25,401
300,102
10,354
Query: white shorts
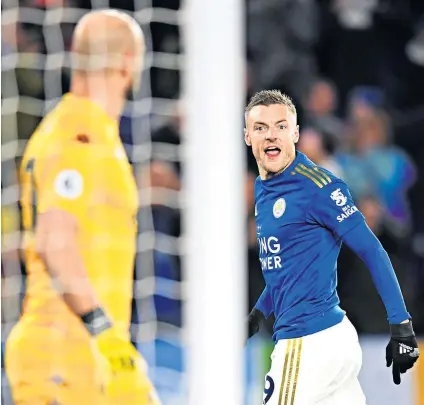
x,y
318,369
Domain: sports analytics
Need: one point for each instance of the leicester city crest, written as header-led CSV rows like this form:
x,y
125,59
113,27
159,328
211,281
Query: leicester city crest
x,y
279,207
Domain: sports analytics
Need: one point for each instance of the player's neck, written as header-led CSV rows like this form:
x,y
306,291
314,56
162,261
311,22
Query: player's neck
x,y
264,175
100,93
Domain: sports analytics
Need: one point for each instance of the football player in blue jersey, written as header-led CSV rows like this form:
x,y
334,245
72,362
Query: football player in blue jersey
x,y
303,214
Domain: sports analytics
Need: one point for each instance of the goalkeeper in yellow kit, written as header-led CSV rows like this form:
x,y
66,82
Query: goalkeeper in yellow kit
x,y
79,200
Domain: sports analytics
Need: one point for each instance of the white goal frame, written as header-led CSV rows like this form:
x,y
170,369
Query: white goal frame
x,y
215,210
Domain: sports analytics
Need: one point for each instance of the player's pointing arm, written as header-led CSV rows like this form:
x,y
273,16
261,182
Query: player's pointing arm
x,y
334,208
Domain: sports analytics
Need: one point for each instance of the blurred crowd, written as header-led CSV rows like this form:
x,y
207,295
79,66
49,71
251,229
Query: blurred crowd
x,y
355,69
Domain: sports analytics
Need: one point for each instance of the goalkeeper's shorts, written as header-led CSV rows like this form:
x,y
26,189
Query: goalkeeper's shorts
x,y
44,368
321,368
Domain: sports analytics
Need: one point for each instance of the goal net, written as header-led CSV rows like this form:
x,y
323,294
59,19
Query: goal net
x,y
36,38
190,361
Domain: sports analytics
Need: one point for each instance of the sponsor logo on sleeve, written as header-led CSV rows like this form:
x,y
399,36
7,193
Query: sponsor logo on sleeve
x,y
339,198
348,210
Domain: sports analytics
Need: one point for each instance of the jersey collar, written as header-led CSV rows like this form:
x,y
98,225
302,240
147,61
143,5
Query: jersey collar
x,y
284,175
87,106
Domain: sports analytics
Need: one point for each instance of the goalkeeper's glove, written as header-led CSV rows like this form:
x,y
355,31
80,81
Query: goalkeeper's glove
x,y
254,321
121,366
402,349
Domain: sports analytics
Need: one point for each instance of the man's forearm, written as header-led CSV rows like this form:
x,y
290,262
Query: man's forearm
x,y
365,244
66,267
385,280
58,247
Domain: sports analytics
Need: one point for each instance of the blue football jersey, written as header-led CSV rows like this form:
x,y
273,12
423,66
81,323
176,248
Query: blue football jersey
x,y
301,216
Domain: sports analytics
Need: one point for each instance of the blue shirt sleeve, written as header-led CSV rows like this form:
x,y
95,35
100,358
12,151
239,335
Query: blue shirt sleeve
x,y
264,303
334,208
366,245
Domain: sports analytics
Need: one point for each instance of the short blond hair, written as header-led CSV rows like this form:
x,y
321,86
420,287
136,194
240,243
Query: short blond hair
x,y
269,97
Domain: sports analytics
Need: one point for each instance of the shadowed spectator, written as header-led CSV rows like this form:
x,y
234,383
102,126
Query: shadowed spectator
x,y
320,107
280,39
313,145
159,186
375,166
24,78
167,139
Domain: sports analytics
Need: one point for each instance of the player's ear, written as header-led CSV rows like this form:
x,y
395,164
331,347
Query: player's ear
x,y
247,137
296,134
128,73
125,68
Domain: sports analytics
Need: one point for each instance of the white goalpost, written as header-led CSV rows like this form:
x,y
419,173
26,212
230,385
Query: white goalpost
x,y
215,207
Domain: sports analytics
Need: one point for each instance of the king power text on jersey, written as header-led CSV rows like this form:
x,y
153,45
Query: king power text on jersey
x,y
267,246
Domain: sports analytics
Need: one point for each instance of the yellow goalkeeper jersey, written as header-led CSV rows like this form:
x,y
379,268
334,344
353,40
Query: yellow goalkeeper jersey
x,y
75,162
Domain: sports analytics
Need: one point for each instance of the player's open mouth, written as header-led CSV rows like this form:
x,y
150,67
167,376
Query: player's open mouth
x,y
272,151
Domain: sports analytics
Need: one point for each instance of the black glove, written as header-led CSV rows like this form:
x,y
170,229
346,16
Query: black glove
x,y
402,349
254,321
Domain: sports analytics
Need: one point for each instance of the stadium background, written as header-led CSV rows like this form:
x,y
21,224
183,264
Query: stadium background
x,y
356,71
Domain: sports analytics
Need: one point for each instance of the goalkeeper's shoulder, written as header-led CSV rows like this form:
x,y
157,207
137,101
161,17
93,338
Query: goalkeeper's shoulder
x,y
69,152
74,129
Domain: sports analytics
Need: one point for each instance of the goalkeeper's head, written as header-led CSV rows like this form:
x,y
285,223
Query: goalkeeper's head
x,y
108,52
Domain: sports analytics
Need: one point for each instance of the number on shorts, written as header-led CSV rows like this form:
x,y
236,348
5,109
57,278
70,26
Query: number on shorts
x,y
269,389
